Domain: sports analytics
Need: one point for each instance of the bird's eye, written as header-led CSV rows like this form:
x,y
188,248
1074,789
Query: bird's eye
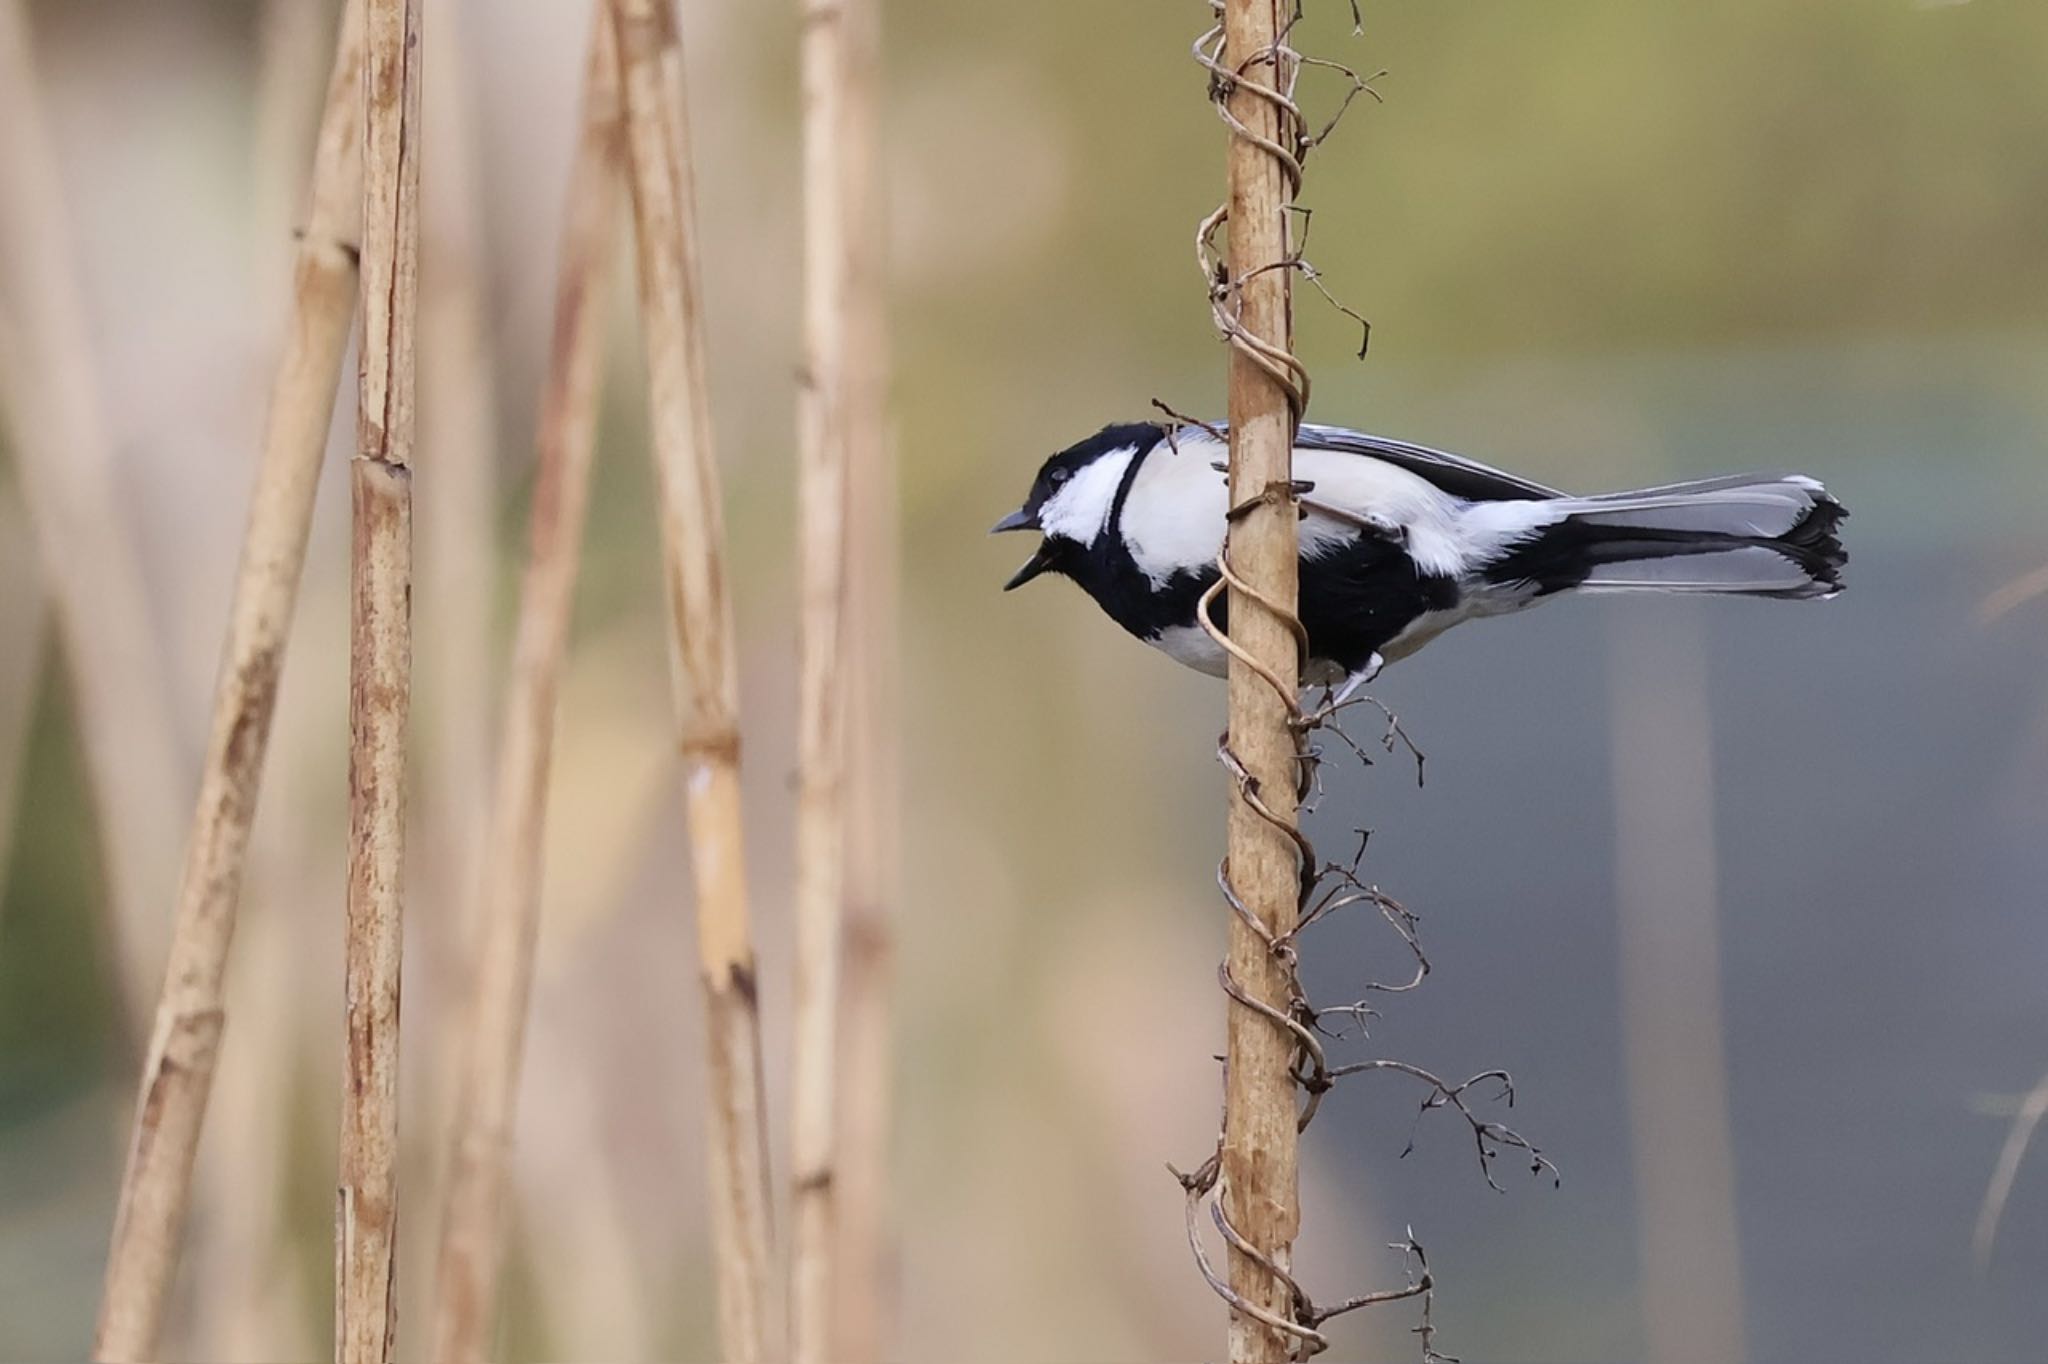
x,y
1058,476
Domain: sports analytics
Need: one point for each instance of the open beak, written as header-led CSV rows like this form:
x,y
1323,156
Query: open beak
x,y
1021,519
1035,565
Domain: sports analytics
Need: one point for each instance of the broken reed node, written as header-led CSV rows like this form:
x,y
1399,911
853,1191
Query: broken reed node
x,y
1272,878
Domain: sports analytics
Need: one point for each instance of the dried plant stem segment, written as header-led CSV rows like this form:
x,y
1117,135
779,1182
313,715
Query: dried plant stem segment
x,y
702,662
865,1286
177,1074
380,685
821,815
1259,1176
508,923
64,455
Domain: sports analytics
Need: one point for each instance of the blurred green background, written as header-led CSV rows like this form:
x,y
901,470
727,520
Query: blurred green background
x,y
1747,895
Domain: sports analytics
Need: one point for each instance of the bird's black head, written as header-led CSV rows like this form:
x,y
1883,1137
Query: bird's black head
x,y
1076,496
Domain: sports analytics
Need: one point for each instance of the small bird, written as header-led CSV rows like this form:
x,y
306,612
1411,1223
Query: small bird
x,y
1400,542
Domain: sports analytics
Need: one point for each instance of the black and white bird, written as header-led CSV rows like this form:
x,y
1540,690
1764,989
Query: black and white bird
x,y
1400,542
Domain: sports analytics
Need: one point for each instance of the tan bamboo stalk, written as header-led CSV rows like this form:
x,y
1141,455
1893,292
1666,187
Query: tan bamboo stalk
x,y
508,922
1260,1193
380,685
866,1291
701,657
821,681
178,1072
65,460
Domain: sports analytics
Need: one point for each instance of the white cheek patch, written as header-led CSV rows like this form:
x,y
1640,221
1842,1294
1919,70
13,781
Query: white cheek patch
x,y
1080,509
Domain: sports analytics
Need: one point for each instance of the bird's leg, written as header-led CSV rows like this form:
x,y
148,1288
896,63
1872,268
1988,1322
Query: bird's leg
x,y
1358,679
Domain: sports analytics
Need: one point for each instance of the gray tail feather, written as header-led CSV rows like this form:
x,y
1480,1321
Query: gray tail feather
x,y
1750,535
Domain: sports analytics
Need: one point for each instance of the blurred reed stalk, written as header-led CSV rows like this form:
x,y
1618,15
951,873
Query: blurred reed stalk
x,y
292,41
2033,1108
459,493
246,1295
822,678
65,459
1260,1194
21,652
380,685
473,1230
456,674
1670,948
184,1042
705,672
866,1290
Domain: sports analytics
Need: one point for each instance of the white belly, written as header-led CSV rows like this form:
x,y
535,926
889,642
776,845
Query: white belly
x,y
1191,645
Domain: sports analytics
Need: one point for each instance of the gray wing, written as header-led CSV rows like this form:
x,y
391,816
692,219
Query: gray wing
x,y
1456,475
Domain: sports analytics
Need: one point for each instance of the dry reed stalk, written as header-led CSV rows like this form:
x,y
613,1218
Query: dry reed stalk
x,y
865,1294
458,492
178,1072
2033,1108
508,920
705,672
293,39
1668,916
822,680
247,1296
1261,1196
380,685
21,654
65,460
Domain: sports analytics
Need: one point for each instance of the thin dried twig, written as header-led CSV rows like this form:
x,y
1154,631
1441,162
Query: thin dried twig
x,y
65,459
702,662
380,684
508,922
177,1074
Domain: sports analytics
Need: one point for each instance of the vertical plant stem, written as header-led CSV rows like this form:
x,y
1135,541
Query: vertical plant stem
x,y
1260,1193
22,619
508,922
865,1294
246,1295
380,685
177,1073
456,680
1668,911
822,681
702,662
292,43
65,458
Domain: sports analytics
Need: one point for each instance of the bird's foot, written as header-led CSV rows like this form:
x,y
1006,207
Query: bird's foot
x,y
1356,680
